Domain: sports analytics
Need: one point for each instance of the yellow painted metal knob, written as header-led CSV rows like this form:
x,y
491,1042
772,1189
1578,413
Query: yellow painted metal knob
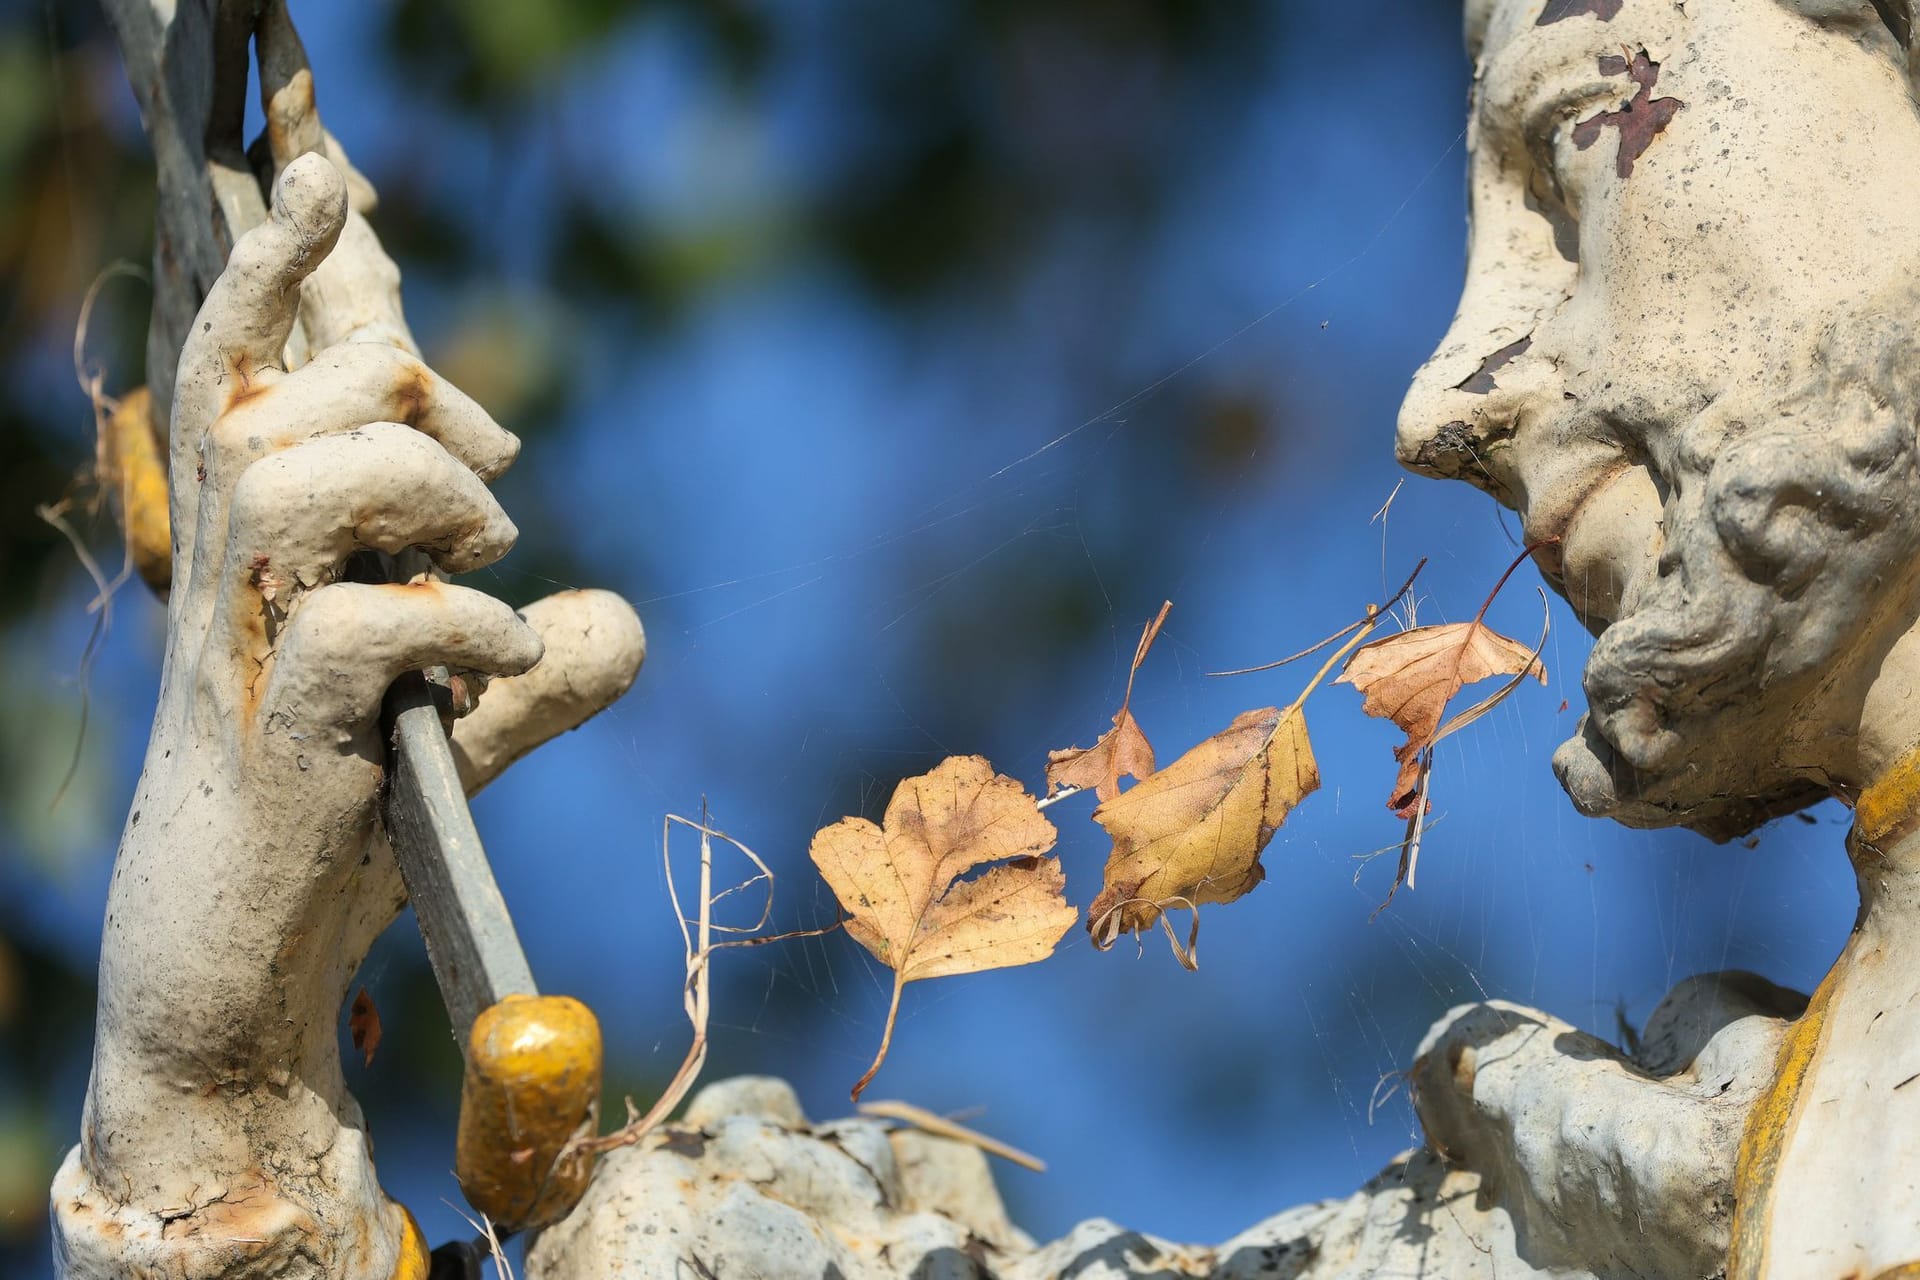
x,y
532,1082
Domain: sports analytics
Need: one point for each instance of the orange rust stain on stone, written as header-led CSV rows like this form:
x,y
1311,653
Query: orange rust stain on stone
x,y
250,609
244,387
410,395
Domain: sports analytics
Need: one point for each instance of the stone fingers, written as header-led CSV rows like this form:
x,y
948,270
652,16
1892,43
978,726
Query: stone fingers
x,y
287,102
354,295
234,349
349,641
594,646
299,513
347,386
1600,1162
283,505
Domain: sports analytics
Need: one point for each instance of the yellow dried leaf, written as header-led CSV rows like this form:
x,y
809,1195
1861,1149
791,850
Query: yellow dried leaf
x,y
1408,678
132,466
1193,832
897,882
1121,749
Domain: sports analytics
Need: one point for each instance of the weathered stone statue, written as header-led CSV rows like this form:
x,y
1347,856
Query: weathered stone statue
x,y
1683,355
1686,356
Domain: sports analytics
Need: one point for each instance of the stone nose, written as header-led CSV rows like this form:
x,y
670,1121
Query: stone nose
x,y
1462,408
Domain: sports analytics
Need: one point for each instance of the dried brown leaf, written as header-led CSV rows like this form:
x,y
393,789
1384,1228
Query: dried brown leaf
x,y
899,882
1193,832
1123,749
1408,678
363,1024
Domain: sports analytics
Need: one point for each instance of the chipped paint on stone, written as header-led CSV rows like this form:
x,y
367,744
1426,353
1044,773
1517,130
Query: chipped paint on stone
x,y
1638,121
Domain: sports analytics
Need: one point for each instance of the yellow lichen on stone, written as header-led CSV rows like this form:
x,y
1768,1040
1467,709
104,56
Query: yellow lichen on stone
x,y
1889,806
532,1082
1765,1137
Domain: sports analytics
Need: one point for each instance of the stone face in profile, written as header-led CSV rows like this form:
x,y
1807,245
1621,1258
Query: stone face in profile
x,y
1684,354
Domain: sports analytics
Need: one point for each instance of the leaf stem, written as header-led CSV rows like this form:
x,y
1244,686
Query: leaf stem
x,y
1147,637
1339,656
1313,648
886,1039
1525,552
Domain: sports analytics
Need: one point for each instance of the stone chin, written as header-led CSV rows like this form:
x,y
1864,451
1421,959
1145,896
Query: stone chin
x,y
1729,690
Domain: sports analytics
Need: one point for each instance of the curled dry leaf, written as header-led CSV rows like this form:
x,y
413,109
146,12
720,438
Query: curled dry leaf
x,y
363,1024
1121,749
899,883
1408,678
1193,832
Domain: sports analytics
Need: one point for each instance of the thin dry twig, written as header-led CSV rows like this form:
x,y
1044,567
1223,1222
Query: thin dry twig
x,y
945,1127
1373,612
1392,1082
697,948
1416,835
92,386
485,1231
1387,506
102,609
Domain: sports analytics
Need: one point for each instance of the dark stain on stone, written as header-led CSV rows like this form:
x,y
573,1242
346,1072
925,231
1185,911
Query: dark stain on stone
x,y
1899,20
1481,383
1557,10
1641,120
685,1143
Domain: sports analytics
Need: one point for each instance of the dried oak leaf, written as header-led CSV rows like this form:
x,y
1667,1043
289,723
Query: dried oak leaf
x,y
363,1024
1121,749
1408,678
900,886
1193,832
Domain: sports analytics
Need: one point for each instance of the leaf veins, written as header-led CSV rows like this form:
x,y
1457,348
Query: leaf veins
x,y
1193,832
899,882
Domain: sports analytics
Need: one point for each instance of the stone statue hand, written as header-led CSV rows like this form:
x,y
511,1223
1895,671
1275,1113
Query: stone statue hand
x,y
252,874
